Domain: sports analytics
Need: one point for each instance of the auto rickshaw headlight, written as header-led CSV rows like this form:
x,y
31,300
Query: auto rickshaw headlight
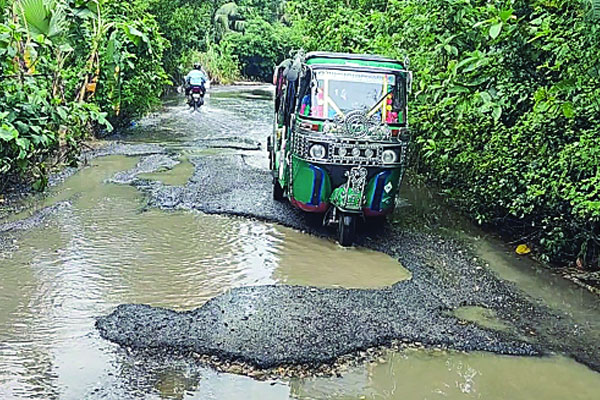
x,y
317,151
389,157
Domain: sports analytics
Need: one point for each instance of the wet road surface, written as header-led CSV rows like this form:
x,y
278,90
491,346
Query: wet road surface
x,y
134,228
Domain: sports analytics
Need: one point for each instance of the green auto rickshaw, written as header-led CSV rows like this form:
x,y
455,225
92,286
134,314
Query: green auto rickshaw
x,y
340,138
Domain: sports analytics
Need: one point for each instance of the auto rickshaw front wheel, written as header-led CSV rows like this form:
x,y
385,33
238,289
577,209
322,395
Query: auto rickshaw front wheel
x,y
278,193
346,229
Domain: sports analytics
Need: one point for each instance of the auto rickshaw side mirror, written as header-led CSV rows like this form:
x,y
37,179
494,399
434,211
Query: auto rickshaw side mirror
x,y
406,63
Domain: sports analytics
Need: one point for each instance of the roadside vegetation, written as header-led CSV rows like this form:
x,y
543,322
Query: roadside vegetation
x,y
69,69
505,107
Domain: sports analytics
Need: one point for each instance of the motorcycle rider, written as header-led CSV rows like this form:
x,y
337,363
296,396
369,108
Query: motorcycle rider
x,y
196,77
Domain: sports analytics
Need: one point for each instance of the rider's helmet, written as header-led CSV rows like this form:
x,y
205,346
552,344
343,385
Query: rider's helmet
x,y
197,65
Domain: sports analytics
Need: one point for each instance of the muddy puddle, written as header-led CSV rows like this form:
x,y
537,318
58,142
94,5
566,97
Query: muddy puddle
x,y
177,176
481,316
311,261
106,248
431,375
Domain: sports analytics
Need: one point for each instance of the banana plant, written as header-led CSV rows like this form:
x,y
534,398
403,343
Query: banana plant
x,y
99,29
45,24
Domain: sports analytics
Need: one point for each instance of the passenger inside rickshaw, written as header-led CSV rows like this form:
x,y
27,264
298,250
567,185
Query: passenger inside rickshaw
x,y
336,93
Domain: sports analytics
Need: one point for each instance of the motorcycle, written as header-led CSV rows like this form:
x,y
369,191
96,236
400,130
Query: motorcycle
x,y
196,97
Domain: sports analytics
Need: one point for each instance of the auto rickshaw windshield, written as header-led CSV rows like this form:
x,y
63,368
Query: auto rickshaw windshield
x,y
336,93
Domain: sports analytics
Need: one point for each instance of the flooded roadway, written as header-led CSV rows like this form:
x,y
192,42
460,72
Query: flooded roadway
x,y
107,248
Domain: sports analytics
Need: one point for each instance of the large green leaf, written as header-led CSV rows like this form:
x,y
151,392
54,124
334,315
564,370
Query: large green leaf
x,y
37,16
44,17
8,133
495,30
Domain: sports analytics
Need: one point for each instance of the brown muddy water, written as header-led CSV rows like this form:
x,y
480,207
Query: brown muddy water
x,y
107,249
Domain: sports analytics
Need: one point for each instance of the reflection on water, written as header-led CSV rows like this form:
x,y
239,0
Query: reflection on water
x,y
107,249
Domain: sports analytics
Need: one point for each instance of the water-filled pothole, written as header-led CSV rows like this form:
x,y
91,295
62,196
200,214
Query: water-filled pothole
x,y
106,249
419,374
177,176
308,260
481,316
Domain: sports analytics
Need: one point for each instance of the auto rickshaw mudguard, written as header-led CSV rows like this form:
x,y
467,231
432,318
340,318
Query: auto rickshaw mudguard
x,y
381,191
310,186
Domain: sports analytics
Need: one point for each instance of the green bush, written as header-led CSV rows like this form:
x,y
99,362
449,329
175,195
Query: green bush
x,y
186,25
132,77
261,46
218,61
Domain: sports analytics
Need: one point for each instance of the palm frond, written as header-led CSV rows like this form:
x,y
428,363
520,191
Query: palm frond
x,y
37,16
44,17
58,22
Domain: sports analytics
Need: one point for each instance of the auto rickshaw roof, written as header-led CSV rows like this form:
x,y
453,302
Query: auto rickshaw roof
x,y
346,59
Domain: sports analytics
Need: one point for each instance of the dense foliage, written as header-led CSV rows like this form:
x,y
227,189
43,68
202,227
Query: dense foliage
x,y
505,109
230,38
68,68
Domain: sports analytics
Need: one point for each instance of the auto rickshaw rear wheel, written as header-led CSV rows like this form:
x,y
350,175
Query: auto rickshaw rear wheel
x,y
346,229
278,193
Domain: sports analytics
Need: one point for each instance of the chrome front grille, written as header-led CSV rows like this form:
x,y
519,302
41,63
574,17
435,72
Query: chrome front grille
x,y
346,151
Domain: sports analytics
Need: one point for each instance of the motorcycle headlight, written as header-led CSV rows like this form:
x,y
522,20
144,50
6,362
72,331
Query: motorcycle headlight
x,y
389,157
317,151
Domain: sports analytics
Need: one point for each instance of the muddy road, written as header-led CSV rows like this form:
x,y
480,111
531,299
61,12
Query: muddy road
x,y
165,270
